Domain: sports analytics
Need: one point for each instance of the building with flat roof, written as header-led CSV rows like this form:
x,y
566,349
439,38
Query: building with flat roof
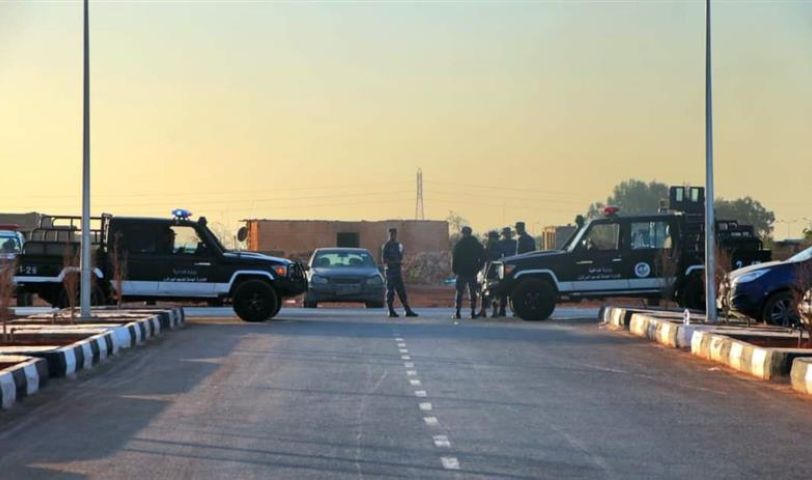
x,y
553,237
299,238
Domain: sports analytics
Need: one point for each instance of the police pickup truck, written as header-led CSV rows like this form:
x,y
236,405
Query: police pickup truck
x,y
645,256
161,259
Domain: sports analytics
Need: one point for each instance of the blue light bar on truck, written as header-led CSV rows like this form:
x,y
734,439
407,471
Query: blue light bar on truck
x,y
181,214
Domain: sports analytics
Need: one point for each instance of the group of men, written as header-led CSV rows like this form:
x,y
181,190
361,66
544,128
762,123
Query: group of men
x,y
469,258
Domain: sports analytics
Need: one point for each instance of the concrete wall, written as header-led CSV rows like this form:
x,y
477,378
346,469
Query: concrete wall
x,y
297,237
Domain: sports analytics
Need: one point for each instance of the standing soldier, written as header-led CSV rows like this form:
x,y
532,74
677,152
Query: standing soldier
x,y
466,261
526,242
392,257
507,247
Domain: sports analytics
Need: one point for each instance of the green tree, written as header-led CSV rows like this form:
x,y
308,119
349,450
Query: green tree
x,y
633,197
746,211
455,224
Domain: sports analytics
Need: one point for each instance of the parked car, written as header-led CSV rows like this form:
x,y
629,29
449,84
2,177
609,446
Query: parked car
x,y
344,275
768,291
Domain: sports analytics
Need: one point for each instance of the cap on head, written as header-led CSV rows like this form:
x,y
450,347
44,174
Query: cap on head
x,y
506,231
466,230
493,234
520,225
393,230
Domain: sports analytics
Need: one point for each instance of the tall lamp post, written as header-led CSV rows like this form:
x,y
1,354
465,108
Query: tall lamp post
x,y
84,300
710,221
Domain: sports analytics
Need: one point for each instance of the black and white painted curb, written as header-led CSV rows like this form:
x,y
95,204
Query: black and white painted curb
x,y
801,375
78,356
762,362
21,380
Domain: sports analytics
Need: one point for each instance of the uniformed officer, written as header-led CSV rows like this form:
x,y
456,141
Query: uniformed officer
x,y
526,243
392,256
467,260
507,247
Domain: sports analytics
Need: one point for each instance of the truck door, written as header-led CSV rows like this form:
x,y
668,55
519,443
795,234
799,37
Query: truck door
x,y
597,261
188,265
651,264
136,249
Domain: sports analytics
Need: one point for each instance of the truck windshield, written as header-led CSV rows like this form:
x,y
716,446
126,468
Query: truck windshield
x,y
9,243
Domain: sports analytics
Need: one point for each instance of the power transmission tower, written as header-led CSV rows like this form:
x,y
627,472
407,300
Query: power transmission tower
x,y
419,213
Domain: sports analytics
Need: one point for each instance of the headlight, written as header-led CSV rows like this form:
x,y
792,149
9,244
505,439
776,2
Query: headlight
x,y
280,270
375,280
749,277
317,280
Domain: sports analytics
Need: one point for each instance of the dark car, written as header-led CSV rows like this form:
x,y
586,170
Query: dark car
x,y
344,275
768,291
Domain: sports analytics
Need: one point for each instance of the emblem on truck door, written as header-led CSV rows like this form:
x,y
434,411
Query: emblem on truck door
x,y
642,270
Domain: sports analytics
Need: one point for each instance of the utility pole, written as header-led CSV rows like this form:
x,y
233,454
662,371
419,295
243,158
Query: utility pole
x,y
419,212
84,300
710,220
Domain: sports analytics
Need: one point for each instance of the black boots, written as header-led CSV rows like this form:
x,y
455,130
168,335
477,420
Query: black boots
x,y
409,312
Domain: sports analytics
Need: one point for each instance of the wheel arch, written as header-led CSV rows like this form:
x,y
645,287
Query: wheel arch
x,y
536,274
241,277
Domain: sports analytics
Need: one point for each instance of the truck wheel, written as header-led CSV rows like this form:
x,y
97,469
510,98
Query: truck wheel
x,y
96,298
693,295
255,301
533,299
780,310
278,308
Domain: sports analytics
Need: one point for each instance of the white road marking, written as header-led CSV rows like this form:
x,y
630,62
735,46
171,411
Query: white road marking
x,y
405,357
442,441
420,393
431,421
415,383
398,339
401,345
450,463
426,406
409,364
403,350
411,373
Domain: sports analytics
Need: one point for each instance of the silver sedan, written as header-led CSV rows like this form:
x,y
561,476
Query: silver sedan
x,y
344,275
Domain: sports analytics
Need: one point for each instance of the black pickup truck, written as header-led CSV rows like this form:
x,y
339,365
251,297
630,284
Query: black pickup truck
x,y
645,256
161,259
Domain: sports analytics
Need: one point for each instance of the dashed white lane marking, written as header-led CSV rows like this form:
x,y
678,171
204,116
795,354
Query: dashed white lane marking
x,y
450,463
409,364
426,406
405,357
401,345
403,350
442,441
431,421
398,339
415,382
420,393
411,373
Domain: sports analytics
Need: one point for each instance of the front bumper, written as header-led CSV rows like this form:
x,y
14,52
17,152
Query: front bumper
x,y
341,293
745,299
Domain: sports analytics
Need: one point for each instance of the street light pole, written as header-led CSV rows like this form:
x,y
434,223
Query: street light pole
x,y
84,301
710,220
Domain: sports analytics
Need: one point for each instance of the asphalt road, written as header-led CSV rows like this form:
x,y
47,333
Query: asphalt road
x,y
349,394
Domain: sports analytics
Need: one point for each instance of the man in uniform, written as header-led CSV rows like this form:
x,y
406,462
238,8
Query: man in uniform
x,y
392,257
526,243
507,247
467,259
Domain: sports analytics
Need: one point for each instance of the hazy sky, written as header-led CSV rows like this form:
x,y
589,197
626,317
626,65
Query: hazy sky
x,y
525,110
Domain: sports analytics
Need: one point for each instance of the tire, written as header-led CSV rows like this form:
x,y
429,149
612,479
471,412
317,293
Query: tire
x,y
96,298
693,294
533,299
374,304
779,310
278,308
255,301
